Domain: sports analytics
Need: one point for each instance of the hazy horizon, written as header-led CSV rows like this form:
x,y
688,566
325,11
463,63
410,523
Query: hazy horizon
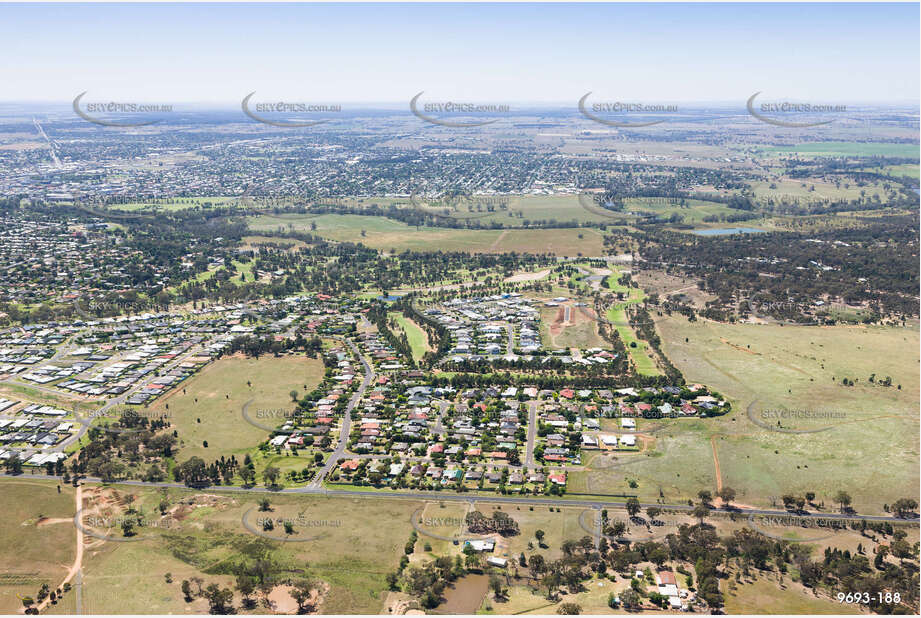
x,y
527,54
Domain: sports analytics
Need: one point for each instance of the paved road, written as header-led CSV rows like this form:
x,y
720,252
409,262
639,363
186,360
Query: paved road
x,y
439,428
346,421
442,496
532,435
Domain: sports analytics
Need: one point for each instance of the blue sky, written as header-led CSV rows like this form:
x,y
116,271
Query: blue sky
x,y
543,53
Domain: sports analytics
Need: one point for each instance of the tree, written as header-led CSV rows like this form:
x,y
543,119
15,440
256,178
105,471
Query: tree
x,y
633,506
220,600
904,506
13,464
246,588
550,581
705,496
539,535
186,588
302,595
701,512
569,609
727,495
270,476
495,584
653,512
630,599
844,499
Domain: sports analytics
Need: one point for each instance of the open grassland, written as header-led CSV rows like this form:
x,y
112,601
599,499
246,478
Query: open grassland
x,y
36,538
847,149
208,407
811,190
516,210
694,211
340,542
791,377
675,464
765,595
395,236
906,170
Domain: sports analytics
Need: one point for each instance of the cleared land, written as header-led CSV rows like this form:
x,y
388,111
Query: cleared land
x,y
209,406
862,428
395,236
36,539
847,149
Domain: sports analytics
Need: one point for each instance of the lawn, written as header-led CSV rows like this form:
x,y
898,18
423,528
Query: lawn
x,y
418,340
618,315
208,407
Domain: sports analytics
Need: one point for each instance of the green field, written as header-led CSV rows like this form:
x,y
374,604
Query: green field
x,y
394,236
905,170
618,315
418,340
221,390
694,212
864,428
847,149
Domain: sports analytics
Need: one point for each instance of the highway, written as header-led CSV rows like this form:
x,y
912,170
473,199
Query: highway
x,y
444,496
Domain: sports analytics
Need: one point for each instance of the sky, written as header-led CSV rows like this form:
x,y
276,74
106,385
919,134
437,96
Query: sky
x,y
521,53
